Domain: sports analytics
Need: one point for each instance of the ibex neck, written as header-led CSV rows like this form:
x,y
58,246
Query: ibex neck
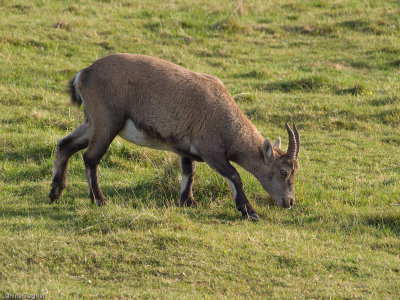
x,y
251,156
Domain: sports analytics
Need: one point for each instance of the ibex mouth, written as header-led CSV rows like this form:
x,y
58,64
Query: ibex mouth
x,y
288,204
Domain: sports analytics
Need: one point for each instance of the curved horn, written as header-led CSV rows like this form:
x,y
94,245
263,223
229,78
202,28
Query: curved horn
x,y
297,137
291,151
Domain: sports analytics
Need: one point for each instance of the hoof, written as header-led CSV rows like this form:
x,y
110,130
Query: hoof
x,y
54,194
101,202
189,202
253,216
52,197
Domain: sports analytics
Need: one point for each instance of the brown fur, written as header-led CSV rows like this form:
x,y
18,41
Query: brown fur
x,y
166,100
186,112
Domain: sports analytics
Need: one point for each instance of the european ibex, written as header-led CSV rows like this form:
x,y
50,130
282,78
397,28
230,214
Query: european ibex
x,y
154,103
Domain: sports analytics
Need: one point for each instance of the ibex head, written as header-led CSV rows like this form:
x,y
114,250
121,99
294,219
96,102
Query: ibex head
x,y
277,173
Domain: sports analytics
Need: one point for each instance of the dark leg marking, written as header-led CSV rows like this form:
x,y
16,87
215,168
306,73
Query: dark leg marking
x,y
92,166
98,145
66,147
223,166
188,168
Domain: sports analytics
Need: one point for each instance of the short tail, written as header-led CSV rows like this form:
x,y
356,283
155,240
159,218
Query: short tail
x,y
73,90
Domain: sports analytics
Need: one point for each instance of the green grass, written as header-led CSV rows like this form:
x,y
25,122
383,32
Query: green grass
x,y
330,67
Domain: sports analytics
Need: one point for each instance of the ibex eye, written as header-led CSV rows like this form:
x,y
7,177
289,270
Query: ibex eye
x,y
283,173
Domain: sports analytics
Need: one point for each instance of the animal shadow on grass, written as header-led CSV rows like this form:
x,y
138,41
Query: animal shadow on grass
x,y
162,190
306,84
384,101
64,216
395,63
159,191
389,221
32,153
33,157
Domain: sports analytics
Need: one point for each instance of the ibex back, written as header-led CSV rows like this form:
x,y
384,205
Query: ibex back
x,y
154,103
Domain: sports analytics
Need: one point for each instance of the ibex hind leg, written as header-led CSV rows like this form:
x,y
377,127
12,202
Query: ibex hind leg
x,y
98,145
66,147
188,168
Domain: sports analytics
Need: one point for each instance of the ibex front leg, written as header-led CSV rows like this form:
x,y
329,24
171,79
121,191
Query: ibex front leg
x,y
188,168
223,166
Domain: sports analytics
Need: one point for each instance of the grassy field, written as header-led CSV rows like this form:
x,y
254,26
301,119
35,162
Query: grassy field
x,y
332,67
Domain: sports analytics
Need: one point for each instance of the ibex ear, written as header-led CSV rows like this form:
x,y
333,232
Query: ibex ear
x,y
277,143
267,149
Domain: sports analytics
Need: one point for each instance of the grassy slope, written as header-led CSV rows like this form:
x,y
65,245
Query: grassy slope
x,y
331,68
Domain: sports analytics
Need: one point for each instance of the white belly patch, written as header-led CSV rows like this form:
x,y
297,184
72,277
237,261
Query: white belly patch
x,y
140,138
